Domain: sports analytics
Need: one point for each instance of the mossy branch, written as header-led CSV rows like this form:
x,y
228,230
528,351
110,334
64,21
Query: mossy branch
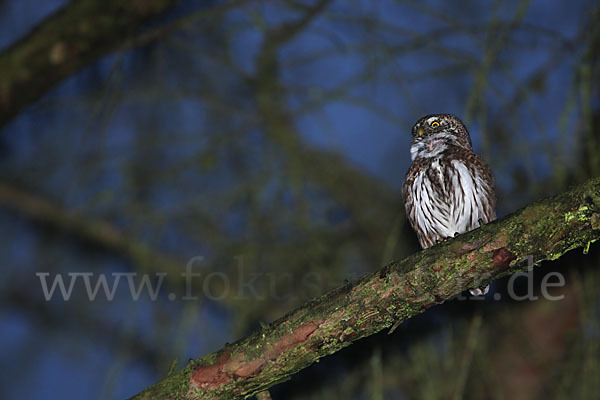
x,y
544,230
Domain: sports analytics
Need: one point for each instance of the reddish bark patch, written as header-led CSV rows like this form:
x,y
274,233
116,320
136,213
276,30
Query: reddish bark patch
x,y
211,376
468,247
471,257
502,257
251,368
289,340
387,293
225,369
237,366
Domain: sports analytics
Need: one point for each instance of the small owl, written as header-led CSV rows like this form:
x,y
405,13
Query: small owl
x,y
448,189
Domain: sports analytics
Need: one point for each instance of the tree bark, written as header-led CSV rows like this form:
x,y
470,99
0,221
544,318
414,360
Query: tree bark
x,y
544,230
64,43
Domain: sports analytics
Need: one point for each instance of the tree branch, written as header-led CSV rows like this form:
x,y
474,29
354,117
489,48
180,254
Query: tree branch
x,y
326,169
96,231
65,42
544,230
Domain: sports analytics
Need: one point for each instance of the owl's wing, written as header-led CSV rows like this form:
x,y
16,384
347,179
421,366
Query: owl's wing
x,y
474,194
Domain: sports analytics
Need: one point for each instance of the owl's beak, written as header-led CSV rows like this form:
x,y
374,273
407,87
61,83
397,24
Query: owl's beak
x,y
420,131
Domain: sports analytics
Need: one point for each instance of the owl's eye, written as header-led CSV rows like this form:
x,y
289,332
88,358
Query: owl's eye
x,y
435,124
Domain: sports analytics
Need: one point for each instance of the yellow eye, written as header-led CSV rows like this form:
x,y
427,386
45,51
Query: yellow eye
x,y
435,124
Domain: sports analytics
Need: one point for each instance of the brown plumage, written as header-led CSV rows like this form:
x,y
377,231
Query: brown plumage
x,y
448,189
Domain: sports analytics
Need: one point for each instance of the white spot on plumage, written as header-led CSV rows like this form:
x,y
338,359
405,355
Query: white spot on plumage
x,y
430,120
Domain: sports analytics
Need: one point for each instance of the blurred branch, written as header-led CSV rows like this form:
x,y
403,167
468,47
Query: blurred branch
x,y
210,15
326,169
544,230
467,357
64,43
98,232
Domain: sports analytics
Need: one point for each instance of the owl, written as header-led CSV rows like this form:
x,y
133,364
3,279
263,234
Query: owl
x,y
448,189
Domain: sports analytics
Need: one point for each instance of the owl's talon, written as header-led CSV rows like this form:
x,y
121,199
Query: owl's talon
x,y
442,240
480,291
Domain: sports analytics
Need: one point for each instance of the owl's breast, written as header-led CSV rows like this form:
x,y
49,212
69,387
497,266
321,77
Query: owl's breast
x,y
447,196
435,174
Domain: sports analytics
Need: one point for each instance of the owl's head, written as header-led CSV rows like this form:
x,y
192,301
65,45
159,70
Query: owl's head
x,y
434,133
